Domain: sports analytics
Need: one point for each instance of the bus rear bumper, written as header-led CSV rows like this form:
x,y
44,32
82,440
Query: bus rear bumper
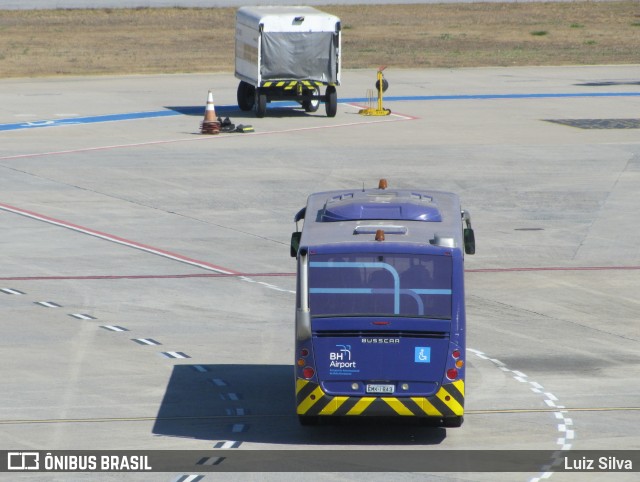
x,y
312,401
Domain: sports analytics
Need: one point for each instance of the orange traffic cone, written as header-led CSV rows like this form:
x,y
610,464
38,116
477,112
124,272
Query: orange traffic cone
x,y
210,124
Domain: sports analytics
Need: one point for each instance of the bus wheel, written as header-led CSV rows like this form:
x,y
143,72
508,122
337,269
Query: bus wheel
x,y
246,95
308,420
331,102
453,421
261,103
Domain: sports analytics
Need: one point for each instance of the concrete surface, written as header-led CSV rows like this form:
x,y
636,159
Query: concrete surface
x,y
182,239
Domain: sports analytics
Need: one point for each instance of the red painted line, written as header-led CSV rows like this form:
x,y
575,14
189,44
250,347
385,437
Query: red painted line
x,y
106,148
117,240
145,276
552,268
396,114
288,275
402,117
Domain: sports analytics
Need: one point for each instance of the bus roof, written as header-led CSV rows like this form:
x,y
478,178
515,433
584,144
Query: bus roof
x,y
405,215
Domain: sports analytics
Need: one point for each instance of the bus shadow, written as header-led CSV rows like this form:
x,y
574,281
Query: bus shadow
x,y
255,403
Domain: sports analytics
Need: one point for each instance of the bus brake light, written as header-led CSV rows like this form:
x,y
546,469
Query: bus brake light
x,y
308,372
456,354
452,373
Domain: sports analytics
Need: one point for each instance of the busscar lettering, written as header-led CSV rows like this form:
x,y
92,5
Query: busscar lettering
x,y
380,340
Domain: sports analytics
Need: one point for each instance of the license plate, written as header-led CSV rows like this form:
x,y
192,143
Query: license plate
x,y
380,388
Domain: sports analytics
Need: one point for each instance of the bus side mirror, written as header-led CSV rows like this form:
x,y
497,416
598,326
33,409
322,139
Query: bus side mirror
x,y
469,241
295,243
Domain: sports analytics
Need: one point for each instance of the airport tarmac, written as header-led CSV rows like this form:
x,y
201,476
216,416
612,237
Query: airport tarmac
x,y
147,288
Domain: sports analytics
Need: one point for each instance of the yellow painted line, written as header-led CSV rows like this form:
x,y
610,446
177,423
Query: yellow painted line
x,y
286,415
551,410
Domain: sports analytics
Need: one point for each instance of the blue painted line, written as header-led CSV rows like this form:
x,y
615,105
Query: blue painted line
x,y
498,96
170,112
86,120
112,118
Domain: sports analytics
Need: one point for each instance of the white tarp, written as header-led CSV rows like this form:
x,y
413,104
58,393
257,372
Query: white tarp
x,y
299,56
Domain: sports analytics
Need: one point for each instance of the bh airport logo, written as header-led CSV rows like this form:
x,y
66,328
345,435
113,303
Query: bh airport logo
x,y
423,354
23,461
341,358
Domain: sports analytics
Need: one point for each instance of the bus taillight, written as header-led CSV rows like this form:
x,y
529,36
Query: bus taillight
x,y
304,352
452,373
309,372
456,354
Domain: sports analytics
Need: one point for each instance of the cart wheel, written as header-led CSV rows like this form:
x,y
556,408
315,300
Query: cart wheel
x,y
331,102
261,103
246,96
313,104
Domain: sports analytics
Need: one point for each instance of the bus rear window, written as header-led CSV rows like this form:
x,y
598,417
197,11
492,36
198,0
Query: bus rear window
x,y
371,284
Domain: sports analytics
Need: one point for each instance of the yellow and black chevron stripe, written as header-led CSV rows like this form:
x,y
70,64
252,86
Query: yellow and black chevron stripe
x,y
292,84
447,402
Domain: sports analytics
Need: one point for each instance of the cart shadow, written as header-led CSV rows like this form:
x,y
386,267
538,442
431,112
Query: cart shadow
x,y
255,403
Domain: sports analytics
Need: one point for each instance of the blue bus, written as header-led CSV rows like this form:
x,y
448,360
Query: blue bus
x,y
380,312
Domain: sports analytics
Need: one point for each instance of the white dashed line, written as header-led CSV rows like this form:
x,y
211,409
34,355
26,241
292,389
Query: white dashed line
x,y
230,396
82,316
146,341
210,461
229,444
11,291
550,400
174,354
113,328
